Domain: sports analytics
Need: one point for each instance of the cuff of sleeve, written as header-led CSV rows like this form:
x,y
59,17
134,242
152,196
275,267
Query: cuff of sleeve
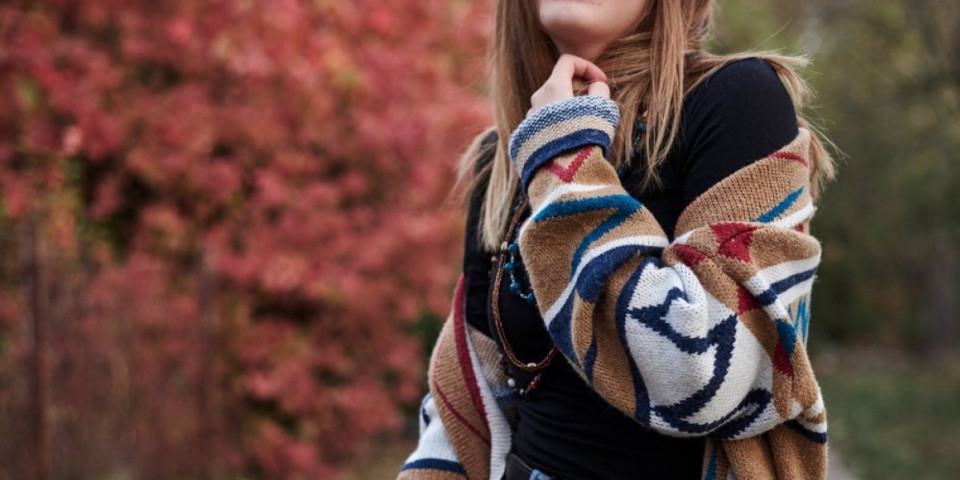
x,y
562,126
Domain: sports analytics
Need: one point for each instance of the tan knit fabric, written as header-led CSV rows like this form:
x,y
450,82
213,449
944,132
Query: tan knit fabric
x,y
701,335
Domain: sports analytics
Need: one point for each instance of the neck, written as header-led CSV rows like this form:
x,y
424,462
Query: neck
x,y
585,51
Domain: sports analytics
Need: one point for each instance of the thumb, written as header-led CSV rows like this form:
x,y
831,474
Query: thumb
x,y
600,89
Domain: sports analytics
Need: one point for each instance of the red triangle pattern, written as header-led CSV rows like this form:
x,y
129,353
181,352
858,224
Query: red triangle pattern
x,y
566,173
690,256
734,239
745,300
790,156
781,362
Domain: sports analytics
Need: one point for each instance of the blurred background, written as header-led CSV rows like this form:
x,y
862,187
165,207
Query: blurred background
x,y
226,241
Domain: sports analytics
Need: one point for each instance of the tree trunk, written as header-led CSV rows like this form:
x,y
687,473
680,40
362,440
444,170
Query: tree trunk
x,y
32,281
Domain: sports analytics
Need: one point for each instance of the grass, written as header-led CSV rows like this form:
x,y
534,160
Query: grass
x,y
894,420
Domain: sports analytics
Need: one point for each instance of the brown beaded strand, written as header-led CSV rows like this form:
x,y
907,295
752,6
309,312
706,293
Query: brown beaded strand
x,y
640,129
509,355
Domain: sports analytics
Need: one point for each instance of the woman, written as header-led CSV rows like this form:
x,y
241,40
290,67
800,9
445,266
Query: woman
x,y
637,271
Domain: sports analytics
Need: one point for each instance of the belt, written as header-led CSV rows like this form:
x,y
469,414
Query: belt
x,y
518,470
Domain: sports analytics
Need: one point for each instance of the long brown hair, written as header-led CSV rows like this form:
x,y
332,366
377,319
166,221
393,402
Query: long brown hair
x,y
649,71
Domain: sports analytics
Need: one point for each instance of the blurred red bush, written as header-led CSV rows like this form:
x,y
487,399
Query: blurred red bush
x,y
234,211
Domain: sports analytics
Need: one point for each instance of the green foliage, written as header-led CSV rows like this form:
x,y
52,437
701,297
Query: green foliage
x,y
888,79
896,422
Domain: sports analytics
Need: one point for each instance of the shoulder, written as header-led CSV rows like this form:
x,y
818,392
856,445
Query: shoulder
x,y
743,75
749,82
744,93
742,103
737,115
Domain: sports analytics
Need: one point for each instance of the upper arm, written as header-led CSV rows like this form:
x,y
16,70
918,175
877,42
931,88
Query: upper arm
x,y
738,115
476,261
476,268
690,336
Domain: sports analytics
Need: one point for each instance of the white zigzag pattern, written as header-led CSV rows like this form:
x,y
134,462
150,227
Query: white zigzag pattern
x,y
659,359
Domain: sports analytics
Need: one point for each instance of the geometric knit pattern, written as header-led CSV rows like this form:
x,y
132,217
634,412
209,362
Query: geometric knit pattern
x,y
701,335
434,455
466,418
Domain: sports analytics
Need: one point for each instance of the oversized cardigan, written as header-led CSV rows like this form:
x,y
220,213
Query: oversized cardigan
x,y
704,335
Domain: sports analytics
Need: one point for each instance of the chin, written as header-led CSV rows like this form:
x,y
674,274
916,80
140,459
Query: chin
x,y
573,22
570,19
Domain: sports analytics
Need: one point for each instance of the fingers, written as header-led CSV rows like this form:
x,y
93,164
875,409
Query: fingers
x,y
599,88
569,67
560,84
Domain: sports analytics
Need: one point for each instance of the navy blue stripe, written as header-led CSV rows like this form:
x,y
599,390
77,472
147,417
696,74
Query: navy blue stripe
x,y
625,209
423,410
435,464
759,399
554,148
785,284
553,114
589,204
595,274
768,297
561,334
641,410
808,434
654,317
722,336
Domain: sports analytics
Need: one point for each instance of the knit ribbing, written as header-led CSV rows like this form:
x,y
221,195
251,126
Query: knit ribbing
x,y
560,127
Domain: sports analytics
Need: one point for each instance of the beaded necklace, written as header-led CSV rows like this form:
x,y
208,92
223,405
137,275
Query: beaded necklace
x,y
510,247
514,250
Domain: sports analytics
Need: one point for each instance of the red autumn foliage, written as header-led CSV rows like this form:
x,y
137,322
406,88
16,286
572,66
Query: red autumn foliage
x,y
237,213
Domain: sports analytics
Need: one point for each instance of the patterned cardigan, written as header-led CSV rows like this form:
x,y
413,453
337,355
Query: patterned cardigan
x,y
704,335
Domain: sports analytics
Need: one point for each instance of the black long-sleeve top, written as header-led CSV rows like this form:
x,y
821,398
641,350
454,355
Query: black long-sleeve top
x,y
738,115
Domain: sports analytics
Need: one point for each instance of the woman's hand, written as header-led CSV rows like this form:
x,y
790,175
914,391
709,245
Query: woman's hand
x,y
560,84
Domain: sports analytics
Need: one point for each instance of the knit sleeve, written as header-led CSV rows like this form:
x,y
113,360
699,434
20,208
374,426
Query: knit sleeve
x,y
704,335
466,419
